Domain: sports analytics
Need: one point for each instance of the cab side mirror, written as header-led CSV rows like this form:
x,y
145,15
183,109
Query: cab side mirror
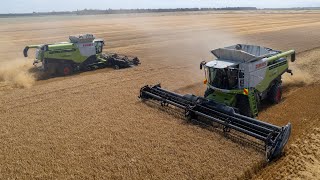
x,y
293,57
202,64
25,51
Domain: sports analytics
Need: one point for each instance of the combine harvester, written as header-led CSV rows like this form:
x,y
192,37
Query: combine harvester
x,y
237,80
82,53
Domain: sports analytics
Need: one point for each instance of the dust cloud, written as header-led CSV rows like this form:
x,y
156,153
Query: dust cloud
x,y
305,69
17,73
190,46
299,77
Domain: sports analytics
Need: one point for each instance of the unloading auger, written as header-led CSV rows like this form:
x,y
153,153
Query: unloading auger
x,y
209,112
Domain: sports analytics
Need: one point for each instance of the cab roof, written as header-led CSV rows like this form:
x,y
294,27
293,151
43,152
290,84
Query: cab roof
x,y
242,53
221,64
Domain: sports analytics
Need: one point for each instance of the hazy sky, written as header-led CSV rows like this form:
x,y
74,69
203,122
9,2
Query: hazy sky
x,y
19,6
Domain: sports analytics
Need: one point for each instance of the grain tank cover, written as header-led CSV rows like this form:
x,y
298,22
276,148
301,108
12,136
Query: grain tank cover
x,y
243,52
86,38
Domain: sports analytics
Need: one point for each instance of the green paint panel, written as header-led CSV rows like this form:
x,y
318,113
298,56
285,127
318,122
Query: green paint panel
x,y
224,98
66,51
272,73
61,46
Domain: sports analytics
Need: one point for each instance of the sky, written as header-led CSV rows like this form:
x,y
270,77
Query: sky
x,y
28,6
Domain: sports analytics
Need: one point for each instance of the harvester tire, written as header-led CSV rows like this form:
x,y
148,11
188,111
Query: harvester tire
x,y
275,93
65,70
244,106
116,67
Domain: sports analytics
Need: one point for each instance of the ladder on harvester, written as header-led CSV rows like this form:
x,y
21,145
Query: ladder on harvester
x,y
253,103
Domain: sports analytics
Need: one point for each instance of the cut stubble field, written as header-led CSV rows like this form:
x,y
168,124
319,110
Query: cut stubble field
x,y
92,125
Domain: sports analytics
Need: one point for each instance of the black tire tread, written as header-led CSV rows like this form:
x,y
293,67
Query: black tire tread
x,y
273,93
60,69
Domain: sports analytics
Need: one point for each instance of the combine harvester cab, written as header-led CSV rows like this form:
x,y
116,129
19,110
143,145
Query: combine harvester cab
x,y
244,75
81,53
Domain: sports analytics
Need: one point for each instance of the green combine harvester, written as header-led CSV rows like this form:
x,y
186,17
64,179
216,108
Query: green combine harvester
x,y
244,75
237,80
81,53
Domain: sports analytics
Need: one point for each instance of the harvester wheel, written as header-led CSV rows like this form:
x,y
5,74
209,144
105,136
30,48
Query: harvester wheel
x,y
116,67
275,93
65,70
244,106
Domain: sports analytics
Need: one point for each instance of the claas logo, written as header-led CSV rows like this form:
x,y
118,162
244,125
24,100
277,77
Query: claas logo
x,y
261,65
86,45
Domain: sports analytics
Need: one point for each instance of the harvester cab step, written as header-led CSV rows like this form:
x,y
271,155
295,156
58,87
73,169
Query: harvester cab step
x,y
253,103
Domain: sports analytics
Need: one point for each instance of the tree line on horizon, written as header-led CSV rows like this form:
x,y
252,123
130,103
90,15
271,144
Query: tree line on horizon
x,y
124,11
131,11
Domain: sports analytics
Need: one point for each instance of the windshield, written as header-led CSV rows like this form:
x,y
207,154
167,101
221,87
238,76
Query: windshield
x,y
222,78
39,54
99,46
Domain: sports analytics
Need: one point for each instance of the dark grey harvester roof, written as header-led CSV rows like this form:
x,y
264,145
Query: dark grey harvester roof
x,y
242,52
